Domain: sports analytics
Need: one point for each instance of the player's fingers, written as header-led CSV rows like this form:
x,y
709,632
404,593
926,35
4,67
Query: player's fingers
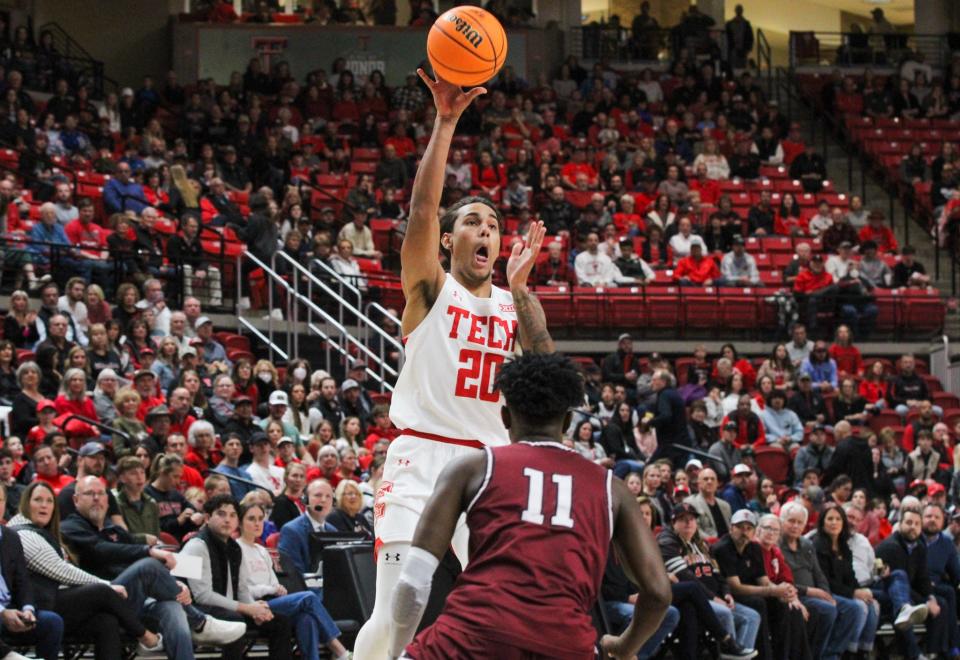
x,y
517,249
475,92
425,78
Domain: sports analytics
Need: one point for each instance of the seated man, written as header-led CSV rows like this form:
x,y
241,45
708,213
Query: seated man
x,y
814,288
943,566
295,535
688,561
739,268
223,588
781,425
905,590
741,561
110,552
697,270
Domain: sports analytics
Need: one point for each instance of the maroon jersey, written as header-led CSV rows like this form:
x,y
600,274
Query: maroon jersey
x,y
540,527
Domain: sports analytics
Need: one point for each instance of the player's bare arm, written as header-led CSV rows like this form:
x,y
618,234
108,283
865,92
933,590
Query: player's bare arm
x,y
456,487
534,336
640,557
421,274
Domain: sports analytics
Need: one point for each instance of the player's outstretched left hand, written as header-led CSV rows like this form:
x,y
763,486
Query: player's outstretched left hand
x,y
524,255
612,647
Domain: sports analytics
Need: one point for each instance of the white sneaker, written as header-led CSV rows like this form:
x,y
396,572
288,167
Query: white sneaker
x,y
156,648
13,655
910,615
243,304
276,314
219,632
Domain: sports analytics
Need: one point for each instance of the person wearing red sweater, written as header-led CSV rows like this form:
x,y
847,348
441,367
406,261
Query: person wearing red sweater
x,y
878,232
73,400
813,283
847,356
46,412
577,165
873,387
697,270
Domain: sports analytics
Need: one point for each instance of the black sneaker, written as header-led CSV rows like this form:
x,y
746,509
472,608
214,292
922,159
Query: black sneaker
x,y
730,650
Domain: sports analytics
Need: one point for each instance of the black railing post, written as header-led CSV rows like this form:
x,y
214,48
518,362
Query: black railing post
x,y
849,170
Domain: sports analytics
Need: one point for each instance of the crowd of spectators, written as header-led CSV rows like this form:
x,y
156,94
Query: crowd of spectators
x,y
775,490
138,427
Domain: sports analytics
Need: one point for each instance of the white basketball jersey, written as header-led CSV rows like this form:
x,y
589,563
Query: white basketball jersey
x,y
446,386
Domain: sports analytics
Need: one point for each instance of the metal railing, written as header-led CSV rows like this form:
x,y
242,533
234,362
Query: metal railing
x,y
385,373
83,67
765,59
619,45
809,48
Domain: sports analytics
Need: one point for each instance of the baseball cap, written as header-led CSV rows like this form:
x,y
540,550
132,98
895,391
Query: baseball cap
x,y
625,335
804,376
158,411
731,426
284,440
147,351
43,404
694,462
196,341
241,398
328,449
817,258
744,516
201,320
144,372
258,437
357,363
189,350
349,384
935,489
683,510
92,448
741,468
279,398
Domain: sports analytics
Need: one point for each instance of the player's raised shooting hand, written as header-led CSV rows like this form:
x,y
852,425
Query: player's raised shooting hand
x,y
523,257
450,99
612,647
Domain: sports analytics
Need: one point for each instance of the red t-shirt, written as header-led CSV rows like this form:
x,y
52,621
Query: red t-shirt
x,y
58,483
848,359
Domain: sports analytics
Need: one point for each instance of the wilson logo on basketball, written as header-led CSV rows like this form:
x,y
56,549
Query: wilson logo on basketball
x,y
466,30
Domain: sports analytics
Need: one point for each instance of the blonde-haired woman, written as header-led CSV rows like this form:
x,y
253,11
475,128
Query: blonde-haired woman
x,y
127,402
73,400
20,323
267,379
346,517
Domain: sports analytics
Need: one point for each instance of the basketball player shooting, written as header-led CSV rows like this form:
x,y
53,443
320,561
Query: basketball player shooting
x,y
458,329
541,518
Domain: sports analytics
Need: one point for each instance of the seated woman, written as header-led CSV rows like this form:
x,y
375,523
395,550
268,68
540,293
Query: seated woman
x,y
289,504
90,607
312,623
177,517
835,557
346,517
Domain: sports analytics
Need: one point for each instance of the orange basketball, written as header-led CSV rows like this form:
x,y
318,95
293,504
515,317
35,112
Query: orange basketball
x,y
467,46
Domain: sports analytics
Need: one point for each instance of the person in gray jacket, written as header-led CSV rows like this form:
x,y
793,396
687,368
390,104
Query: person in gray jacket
x,y
713,514
815,455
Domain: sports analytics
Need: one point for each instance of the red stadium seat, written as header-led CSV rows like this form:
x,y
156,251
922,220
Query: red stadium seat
x,y
774,462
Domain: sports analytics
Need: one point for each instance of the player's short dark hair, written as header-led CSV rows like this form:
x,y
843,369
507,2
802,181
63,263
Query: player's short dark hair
x,y
540,387
449,217
218,501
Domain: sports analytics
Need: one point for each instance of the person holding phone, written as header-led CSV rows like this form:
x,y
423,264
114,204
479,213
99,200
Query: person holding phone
x,y
21,622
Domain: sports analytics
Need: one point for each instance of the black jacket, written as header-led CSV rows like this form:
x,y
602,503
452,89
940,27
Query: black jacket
x,y
893,551
14,567
670,418
616,365
854,459
837,568
106,552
